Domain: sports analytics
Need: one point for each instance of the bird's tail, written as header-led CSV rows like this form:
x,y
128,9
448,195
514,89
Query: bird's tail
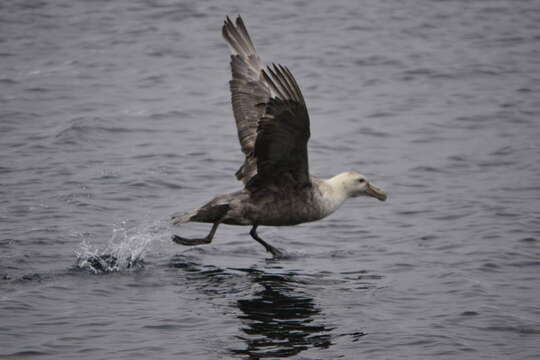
x,y
209,213
184,218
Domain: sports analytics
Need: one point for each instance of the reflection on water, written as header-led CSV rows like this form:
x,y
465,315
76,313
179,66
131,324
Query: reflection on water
x,y
280,320
279,315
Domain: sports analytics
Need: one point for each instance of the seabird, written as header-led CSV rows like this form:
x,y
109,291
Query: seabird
x,y
273,129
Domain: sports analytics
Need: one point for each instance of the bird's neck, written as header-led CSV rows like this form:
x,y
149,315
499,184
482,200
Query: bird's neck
x,y
333,194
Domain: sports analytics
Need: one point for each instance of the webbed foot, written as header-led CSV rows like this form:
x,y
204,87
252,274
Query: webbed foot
x,y
276,253
190,242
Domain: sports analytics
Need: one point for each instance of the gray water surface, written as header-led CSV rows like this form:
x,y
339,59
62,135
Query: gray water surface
x,y
114,115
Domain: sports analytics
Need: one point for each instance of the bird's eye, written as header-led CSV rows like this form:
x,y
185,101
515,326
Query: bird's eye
x,y
361,180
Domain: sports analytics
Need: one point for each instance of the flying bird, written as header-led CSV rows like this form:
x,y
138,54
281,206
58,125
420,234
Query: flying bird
x,y
273,128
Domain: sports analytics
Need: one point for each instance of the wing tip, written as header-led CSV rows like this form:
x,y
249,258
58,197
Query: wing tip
x,y
236,35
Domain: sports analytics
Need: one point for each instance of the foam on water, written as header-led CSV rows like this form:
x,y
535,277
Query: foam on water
x,y
124,251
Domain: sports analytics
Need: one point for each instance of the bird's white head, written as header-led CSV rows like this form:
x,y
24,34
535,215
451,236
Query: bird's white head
x,y
353,184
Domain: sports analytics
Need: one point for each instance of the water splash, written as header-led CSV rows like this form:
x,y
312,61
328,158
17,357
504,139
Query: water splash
x,y
124,251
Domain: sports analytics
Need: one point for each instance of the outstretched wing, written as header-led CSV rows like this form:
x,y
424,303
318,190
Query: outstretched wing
x,y
283,133
248,90
271,116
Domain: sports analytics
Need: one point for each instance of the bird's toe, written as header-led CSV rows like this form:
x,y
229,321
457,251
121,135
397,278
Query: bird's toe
x,y
188,242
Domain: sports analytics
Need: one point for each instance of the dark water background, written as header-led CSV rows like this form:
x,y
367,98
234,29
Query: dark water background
x,y
113,115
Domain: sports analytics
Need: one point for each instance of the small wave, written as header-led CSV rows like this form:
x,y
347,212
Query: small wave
x,y
380,114
530,240
372,132
377,60
174,114
83,129
7,81
428,169
519,329
26,354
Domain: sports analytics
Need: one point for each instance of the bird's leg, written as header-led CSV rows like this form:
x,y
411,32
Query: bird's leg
x,y
268,247
189,242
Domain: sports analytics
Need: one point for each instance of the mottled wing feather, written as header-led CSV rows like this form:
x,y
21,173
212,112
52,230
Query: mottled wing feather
x,y
249,93
271,116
